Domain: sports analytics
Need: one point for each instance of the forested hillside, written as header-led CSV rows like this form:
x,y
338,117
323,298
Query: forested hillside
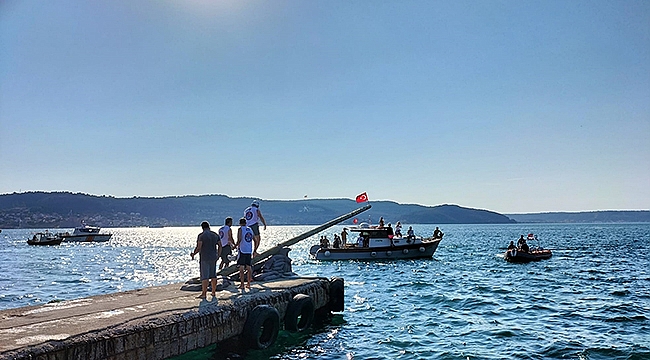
x,y
64,209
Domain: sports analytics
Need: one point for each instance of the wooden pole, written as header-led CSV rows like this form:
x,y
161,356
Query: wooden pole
x,y
276,249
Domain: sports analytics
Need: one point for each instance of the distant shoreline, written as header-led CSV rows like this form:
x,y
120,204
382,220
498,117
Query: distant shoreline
x,y
37,210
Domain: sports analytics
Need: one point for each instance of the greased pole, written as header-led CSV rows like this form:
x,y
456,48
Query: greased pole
x,y
276,249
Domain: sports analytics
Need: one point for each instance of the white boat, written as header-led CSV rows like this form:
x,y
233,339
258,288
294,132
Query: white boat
x,y
376,244
85,234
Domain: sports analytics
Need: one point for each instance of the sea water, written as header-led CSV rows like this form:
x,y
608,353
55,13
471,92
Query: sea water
x,y
591,300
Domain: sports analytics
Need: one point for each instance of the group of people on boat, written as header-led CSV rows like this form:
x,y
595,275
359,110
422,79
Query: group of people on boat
x,y
325,242
340,241
410,234
522,245
522,253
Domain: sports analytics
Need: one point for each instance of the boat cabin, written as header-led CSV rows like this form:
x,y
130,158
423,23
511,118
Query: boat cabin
x,y
377,237
84,230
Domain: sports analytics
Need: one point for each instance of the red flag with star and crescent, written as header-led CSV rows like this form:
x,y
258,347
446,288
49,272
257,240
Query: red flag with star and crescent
x,y
363,197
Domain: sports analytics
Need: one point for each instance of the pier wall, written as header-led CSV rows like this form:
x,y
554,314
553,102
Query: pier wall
x,y
152,323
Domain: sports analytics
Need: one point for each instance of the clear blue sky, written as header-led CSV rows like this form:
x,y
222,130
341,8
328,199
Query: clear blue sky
x,y
511,106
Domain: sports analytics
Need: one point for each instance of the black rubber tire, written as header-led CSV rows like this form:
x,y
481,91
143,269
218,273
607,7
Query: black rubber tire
x,y
337,295
261,328
300,313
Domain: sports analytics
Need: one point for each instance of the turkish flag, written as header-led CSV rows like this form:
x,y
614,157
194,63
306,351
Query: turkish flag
x,y
362,197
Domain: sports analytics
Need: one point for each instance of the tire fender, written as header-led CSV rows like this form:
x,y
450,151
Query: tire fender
x,y
261,327
337,295
300,313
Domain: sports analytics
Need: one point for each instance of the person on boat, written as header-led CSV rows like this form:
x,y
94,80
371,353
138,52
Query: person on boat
x,y
437,234
245,244
344,236
512,245
398,229
360,241
208,246
381,222
409,233
324,242
253,215
227,242
337,242
521,244
520,241
390,231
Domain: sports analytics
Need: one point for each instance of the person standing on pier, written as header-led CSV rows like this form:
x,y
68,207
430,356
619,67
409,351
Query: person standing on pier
x,y
253,215
208,246
227,243
245,239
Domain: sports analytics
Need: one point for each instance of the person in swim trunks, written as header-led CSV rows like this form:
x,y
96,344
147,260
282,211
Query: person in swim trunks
x,y
253,216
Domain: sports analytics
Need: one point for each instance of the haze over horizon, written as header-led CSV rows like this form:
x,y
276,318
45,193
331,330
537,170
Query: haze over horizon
x,y
513,107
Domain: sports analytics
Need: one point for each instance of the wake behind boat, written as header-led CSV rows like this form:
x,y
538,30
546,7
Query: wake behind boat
x,y
377,243
85,234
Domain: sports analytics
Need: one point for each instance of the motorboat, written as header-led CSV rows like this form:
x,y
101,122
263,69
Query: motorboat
x,y
41,238
520,256
377,243
85,233
523,254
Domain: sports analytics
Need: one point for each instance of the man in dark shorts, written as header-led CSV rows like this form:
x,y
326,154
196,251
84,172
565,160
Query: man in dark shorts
x,y
227,242
253,215
245,239
208,247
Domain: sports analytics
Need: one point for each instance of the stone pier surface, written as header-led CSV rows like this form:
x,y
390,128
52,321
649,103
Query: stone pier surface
x,y
151,323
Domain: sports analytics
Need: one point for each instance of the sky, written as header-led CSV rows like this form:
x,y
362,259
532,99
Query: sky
x,y
510,106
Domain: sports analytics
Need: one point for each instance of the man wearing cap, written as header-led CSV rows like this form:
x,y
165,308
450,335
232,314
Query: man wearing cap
x,y
253,215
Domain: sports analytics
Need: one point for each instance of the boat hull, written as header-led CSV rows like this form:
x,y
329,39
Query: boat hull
x,y
87,238
426,249
514,256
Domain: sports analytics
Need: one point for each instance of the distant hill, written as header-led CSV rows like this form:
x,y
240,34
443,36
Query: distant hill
x,y
65,209
583,217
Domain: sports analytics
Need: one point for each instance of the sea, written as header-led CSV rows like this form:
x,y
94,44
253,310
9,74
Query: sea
x,y
591,300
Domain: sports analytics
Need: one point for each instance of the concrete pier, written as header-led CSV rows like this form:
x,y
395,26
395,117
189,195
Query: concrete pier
x,y
150,323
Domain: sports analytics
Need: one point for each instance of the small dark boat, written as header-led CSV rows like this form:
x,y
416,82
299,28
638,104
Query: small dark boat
x,y
44,239
519,256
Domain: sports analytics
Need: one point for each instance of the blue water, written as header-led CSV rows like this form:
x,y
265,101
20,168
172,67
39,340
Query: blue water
x,y
591,300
